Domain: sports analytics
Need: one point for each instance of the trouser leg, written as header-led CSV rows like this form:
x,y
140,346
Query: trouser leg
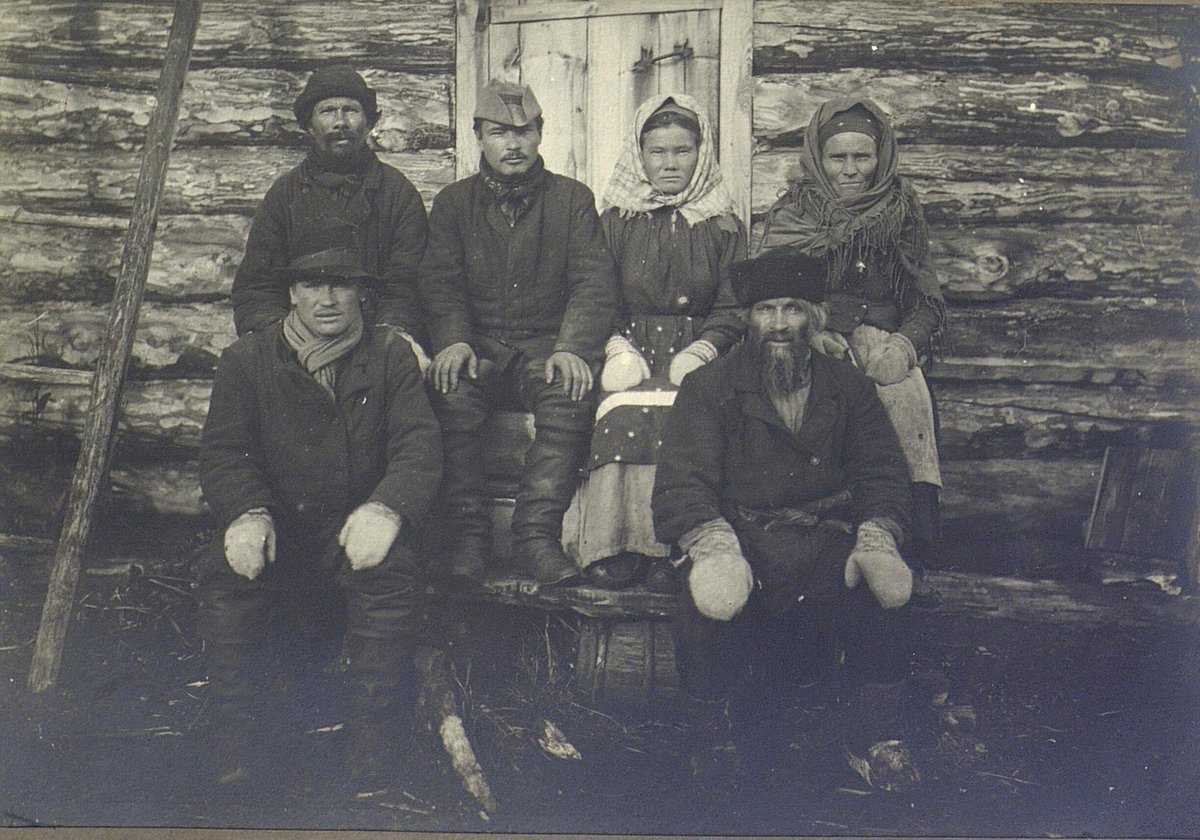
x,y
551,474
383,622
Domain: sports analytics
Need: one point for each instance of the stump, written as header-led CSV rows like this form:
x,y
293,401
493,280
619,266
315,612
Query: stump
x,y
626,664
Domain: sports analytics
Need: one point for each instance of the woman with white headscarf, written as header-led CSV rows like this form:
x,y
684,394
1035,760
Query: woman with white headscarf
x,y
670,223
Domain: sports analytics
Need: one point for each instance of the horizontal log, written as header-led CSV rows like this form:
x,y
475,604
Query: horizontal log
x,y
404,35
999,184
53,257
1097,39
1142,341
210,181
1086,261
195,257
978,108
220,106
998,419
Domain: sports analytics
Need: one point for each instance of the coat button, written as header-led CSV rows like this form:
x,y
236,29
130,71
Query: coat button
x,y
815,461
682,301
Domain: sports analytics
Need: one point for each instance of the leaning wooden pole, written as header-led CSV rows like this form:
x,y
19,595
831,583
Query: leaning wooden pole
x,y
109,379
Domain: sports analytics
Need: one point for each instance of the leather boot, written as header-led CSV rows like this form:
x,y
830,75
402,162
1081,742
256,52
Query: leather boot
x,y
466,549
383,684
234,684
874,732
548,481
714,759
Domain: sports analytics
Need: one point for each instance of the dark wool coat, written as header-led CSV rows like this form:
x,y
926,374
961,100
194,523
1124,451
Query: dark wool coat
x,y
274,438
668,267
726,445
548,276
385,219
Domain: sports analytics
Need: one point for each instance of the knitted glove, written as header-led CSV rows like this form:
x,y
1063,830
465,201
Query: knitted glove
x,y
368,533
830,343
624,365
697,354
876,558
892,362
720,580
250,543
423,360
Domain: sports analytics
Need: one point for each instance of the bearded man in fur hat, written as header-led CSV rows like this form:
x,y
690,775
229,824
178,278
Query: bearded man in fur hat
x,y
782,481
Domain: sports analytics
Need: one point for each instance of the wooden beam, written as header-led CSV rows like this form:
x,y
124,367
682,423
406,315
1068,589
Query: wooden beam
x,y
110,372
531,12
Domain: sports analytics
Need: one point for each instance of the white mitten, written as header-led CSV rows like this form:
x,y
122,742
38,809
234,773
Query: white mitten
x,y
368,533
876,558
720,580
697,354
250,543
830,343
624,365
892,361
423,360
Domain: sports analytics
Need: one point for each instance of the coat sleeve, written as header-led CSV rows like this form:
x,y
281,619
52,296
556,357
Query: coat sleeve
x,y
874,463
399,302
923,303
258,300
232,470
414,445
593,295
726,324
443,276
691,461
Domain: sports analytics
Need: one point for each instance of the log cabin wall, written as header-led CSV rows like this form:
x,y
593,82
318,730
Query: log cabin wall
x,y
1054,146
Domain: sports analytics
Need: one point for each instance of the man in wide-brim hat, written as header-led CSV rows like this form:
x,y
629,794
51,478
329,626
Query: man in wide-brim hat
x,y
783,483
341,186
319,457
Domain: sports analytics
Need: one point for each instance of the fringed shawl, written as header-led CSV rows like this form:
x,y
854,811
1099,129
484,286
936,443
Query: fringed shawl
x,y
630,191
884,222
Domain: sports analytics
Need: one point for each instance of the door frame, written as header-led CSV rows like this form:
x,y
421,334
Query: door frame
x,y
735,90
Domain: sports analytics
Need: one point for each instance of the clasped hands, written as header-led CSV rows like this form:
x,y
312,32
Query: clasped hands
x,y
459,360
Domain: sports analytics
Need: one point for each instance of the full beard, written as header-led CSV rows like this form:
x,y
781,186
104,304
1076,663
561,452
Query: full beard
x,y
784,370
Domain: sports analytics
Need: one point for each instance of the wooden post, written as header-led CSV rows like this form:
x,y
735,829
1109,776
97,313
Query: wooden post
x,y
92,466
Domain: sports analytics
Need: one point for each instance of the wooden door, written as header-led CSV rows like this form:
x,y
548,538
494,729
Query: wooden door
x,y
591,64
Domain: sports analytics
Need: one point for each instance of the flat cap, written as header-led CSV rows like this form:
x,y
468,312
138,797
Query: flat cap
x,y
507,103
779,273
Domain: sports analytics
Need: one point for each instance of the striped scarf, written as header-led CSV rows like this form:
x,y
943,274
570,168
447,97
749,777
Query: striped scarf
x,y
318,354
630,191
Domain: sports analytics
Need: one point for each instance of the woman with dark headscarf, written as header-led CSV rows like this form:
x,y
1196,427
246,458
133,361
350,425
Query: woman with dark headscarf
x,y
885,303
673,232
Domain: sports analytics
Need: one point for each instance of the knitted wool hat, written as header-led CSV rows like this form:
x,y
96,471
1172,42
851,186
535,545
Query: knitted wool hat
x,y
332,82
779,273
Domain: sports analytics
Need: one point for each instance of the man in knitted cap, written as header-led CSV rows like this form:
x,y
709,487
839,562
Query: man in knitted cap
x,y
522,294
341,186
782,481
319,457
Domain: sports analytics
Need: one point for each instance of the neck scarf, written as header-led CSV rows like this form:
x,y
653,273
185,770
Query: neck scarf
x,y
514,193
629,189
318,354
883,221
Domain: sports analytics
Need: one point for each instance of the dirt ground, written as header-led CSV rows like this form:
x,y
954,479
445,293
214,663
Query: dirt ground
x,y
1017,729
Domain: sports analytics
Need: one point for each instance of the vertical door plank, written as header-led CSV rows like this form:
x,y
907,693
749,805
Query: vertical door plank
x,y
470,66
554,63
737,88
615,89
700,75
